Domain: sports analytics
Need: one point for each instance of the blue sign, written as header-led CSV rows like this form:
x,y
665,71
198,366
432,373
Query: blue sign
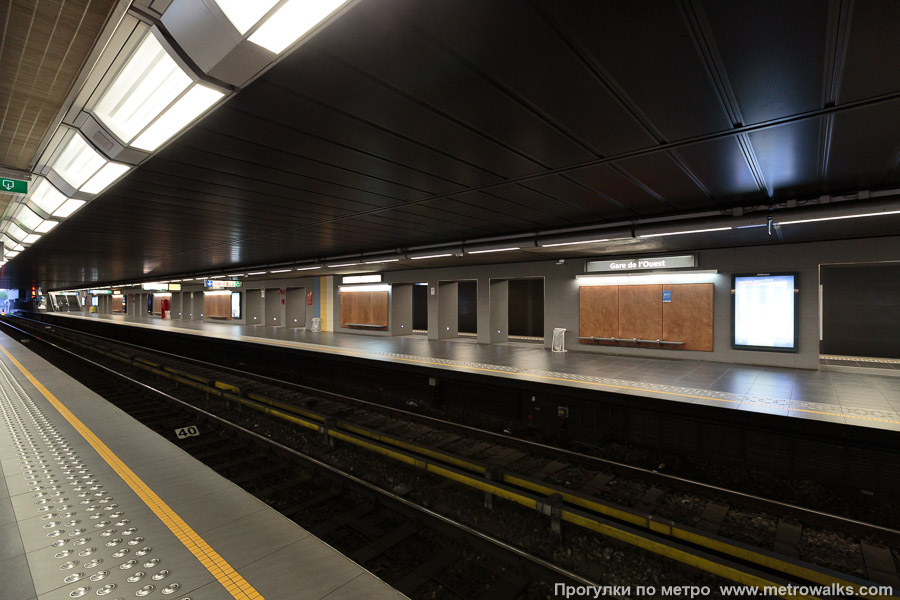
x,y
667,296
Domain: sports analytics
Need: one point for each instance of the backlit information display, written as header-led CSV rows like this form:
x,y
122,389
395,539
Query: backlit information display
x,y
765,312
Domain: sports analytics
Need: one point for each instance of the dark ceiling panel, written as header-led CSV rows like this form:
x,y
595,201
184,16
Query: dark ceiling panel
x,y
648,51
491,218
536,215
557,186
536,66
662,174
276,105
789,157
864,149
328,160
721,167
773,52
336,85
873,54
435,75
604,179
560,208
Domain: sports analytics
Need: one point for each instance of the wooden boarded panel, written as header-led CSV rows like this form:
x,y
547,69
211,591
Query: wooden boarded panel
x,y
118,303
688,317
379,304
217,306
598,311
364,308
640,311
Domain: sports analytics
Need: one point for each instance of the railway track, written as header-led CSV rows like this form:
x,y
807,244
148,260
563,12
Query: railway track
x,y
633,506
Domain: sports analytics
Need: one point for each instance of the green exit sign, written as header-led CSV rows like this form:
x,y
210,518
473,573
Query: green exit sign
x,y
13,186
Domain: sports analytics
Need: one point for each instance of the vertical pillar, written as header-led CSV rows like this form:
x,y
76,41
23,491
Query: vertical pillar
x,y
499,307
483,295
433,321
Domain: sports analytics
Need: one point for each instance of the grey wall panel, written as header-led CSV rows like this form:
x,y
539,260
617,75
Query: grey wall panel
x,y
401,315
448,310
253,310
499,317
274,307
295,307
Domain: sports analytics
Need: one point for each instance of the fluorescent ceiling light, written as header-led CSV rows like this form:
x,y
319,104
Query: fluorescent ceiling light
x,y
342,265
281,271
46,226
377,262
256,273
19,247
874,214
104,178
492,250
230,275
545,245
216,277
366,288
309,268
12,254
647,278
46,197
646,235
361,279
429,256
148,83
78,162
70,206
15,232
291,21
189,107
27,218
188,279
31,238
244,14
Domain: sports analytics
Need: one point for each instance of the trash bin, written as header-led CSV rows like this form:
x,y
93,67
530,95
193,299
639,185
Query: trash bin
x,y
167,314
559,340
316,324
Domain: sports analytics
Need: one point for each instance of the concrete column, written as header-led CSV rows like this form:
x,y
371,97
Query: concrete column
x,y
484,310
499,311
433,321
447,310
401,309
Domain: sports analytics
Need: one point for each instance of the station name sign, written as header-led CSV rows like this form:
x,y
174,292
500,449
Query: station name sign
x,y
214,284
641,264
155,287
100,292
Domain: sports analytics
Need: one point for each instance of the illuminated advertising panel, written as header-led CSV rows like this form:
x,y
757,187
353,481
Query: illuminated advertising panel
x,y
764,312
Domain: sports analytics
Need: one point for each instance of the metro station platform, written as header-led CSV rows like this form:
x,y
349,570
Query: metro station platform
x,y
93,504
858,399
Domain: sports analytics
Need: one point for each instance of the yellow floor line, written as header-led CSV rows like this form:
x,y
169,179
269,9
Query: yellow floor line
x,y
217,566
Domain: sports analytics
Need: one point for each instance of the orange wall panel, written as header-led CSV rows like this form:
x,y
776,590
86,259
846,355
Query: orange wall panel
x,y
640,311
598,311
688,317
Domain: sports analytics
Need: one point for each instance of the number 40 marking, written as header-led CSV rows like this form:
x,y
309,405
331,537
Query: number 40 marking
x,y
187,432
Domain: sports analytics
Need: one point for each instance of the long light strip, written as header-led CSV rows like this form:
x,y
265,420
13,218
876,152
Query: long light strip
x,y
429,256
342,265
256,273
706,276
308,268
366,288
646,235
281,271
859,216
378,262
492,250
545,245
104,178
68,207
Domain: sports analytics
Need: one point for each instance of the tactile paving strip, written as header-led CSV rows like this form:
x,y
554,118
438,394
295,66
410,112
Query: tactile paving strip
x,y
96,548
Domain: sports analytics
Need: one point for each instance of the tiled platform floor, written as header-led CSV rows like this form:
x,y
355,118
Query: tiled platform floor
x,y
95,504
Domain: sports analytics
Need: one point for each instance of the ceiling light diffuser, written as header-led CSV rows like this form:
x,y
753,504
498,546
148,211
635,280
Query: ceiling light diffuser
x,y
862,215
492,250
429,256
46,226
546,245
146,85
104,177
27,218
189,107
46,197
70,206
31,238
78,161
292,21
